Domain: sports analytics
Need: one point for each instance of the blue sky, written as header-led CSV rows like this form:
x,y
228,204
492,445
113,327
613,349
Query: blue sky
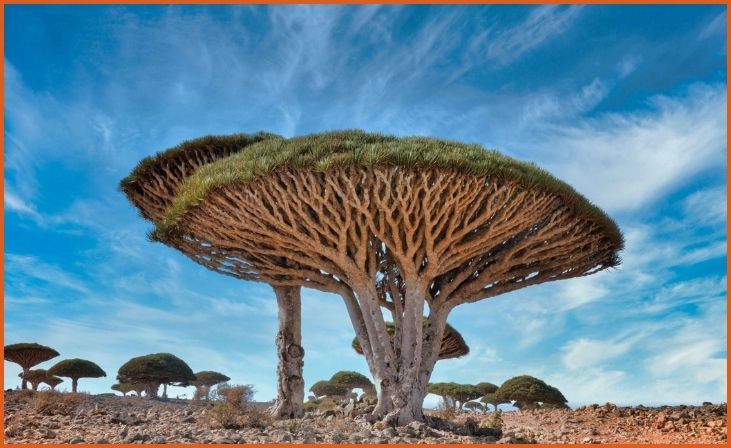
x,y
627,104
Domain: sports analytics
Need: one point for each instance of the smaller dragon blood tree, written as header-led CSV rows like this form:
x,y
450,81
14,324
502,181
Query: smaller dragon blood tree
x,y
76,368
456,395
52,381
206,379
35,377
27,355
453,344
326,389
153,370
529,393
353,380
474,406
123,388
495,400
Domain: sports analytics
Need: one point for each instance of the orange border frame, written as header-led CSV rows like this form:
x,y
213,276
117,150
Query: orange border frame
x,y
323,2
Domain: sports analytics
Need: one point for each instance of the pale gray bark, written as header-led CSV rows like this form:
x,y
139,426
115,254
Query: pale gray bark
x,y
290,384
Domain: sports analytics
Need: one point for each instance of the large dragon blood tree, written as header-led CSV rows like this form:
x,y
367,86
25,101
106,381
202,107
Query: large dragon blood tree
x,y
27,355
151,187
340,211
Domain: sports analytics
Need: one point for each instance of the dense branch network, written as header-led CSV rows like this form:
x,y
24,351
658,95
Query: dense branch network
x,y
462,237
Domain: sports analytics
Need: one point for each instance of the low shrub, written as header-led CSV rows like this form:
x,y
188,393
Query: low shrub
x,y
236,395
327,404
234,409
311,406
55,403
446,413
495,421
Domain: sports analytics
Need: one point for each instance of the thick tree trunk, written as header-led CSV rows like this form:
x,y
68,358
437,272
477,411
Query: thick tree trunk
x,y
401,379
34,386
151,391
24,383
290,384
74,384
165,391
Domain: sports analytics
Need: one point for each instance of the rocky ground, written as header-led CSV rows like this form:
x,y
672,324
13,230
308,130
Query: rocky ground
x,y
76,418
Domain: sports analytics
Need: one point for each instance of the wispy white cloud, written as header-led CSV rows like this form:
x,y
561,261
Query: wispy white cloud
x,y
717,26
583,352
18,205
541,24
708,206
626,161
24,267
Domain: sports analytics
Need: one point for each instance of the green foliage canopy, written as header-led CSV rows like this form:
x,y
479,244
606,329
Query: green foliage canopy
x,y
52,381
77,368
494,399
486,388
351,380
35,376
327,389
27,354
528,391
209,378
155,368
325,151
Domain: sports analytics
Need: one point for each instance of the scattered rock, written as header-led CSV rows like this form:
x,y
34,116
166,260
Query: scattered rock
x,y
104,420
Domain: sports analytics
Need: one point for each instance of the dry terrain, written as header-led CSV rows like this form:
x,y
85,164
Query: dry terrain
x,y
77,418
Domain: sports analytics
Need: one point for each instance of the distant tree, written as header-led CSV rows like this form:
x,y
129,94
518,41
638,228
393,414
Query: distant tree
x,y
462,393
52,381
139,389
124,388
486,388
454,394
76,368
494,400
327,389
27,355
206,379
153,370
474,406
445,391
528,392
353,380
35,377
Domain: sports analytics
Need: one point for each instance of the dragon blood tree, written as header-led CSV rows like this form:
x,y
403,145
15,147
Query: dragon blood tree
x,y
327,389
123,388
153,370
35,377
529,392
52,381
340,211
76,368
455,395
151,187
495,400
206,379
27,355
453,345
353,380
